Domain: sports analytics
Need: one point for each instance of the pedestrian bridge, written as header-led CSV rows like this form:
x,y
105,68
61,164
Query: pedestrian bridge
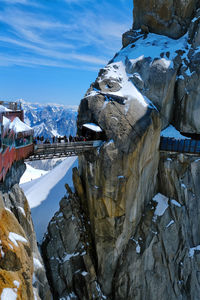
x,y
57,150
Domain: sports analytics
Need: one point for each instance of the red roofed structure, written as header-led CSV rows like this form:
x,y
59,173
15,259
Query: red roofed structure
x,y
16,139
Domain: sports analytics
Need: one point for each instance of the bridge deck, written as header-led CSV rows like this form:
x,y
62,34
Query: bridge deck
x,y
182,145
56,150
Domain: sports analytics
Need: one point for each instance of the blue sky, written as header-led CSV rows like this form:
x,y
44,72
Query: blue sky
x,y
51,50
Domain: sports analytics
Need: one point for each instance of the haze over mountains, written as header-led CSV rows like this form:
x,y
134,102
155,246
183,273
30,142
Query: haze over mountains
x,y
50,119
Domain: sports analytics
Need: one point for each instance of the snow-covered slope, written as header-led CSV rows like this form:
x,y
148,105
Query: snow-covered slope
x,y
50,119
45,193
31,174
46,164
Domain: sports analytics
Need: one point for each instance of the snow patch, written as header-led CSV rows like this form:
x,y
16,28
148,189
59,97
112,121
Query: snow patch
x,y
109,143
128,89
93,127
84,273
162,204
8,294
183,185
51,187
69,256
152,46
138,248
22,210
46,183
192,250
170,223
31,174
175,203
10,246
14,237
16,283
37,264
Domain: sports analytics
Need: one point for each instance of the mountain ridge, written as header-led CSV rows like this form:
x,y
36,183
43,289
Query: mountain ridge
x,y
50,119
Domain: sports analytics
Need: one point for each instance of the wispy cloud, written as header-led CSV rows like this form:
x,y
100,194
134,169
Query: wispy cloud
x,y
22,2
63,36
15,1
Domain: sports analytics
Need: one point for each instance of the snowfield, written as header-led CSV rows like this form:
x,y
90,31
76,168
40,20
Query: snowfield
x,y
31,174
45,192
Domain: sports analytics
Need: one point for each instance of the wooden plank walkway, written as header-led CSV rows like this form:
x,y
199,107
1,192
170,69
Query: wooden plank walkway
x,y
57,150
180,145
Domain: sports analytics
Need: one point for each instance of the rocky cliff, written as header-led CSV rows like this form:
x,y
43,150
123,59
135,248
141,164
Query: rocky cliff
x,y
136,221
22,273
170,18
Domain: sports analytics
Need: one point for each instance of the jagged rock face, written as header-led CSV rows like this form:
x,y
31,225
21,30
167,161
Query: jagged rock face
x,y
16,263
113,177
187,93
13,175
175,90
68,254
20,216
165,248
115,196
170,18
151,82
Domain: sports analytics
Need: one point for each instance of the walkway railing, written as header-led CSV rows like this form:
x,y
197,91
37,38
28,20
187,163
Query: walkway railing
x,y
179,145
57,150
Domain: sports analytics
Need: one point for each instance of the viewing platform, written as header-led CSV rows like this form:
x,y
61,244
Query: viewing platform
x,y
57,150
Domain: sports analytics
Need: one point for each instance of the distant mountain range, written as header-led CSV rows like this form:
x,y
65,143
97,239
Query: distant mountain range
x,y
50,119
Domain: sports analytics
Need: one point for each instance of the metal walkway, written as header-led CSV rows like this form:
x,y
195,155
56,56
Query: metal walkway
x,y
57,150
188,146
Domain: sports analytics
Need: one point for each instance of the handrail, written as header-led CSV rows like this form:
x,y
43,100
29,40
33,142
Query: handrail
x,y
46,151
180,145
68,144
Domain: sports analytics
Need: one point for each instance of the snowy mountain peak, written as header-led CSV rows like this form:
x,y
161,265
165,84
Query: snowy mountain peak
x,y
50,119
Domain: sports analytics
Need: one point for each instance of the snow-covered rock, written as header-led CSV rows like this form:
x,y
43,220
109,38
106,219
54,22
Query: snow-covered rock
x,y
18,246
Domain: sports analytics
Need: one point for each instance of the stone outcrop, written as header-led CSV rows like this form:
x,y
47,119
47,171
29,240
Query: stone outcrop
x,y
113,177
170,18
187,92
21,266
13,176
165,249
17,203
16,263
137,239
69,253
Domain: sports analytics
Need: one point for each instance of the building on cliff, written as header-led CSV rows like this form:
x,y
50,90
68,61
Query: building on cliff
x,y
22,273
15,137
